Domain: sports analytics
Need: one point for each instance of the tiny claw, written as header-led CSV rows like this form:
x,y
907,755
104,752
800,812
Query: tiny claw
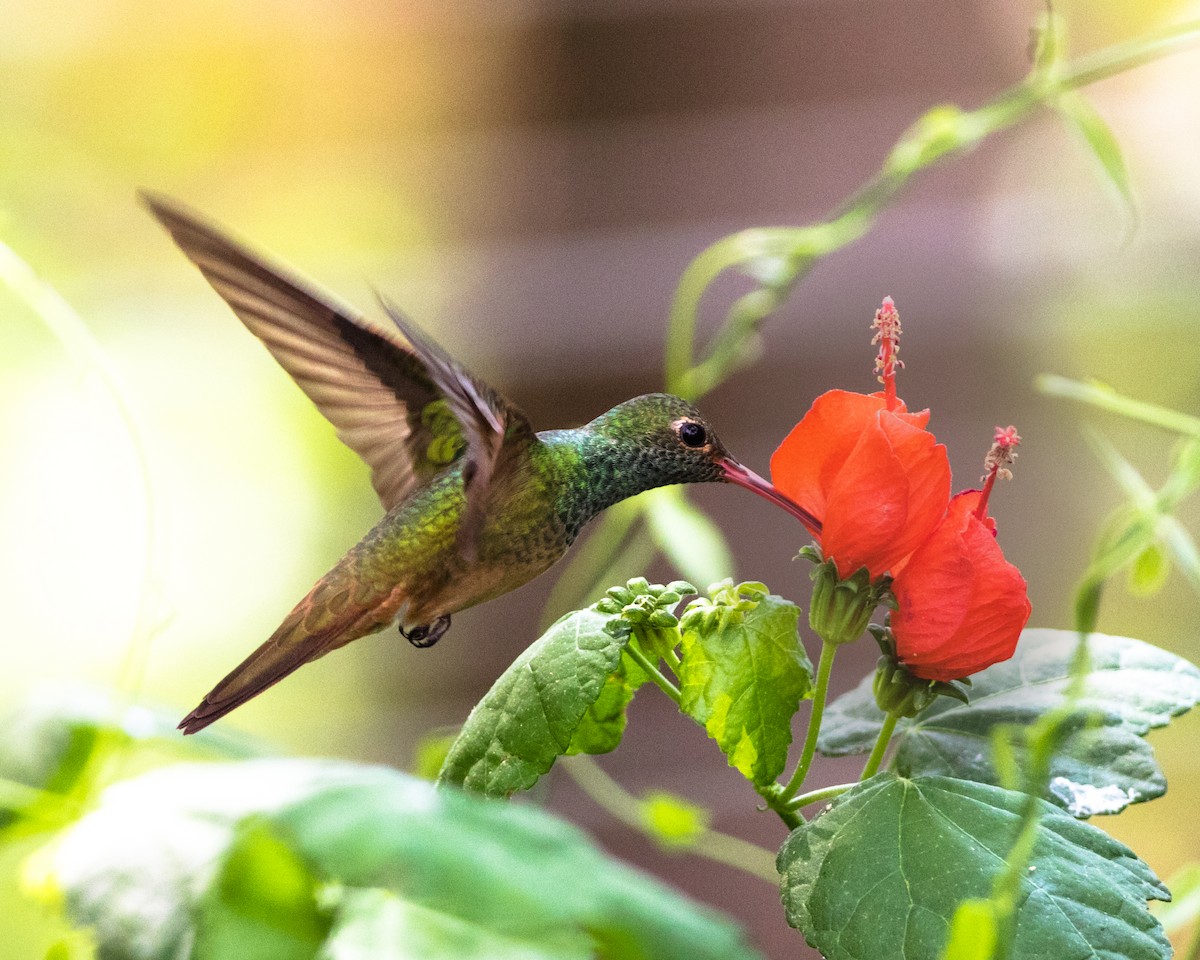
x,y
426,634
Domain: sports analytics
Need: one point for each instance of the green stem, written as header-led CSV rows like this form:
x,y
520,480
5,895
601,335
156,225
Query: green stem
x,y
1105,399
653,672
824,668
881,745
1008,884
816,796
627,808
673,661
791,253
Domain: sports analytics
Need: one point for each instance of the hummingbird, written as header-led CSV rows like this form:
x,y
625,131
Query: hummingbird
x,y
477,503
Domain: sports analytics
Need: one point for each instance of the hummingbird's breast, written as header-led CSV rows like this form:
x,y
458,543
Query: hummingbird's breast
x,y
414,551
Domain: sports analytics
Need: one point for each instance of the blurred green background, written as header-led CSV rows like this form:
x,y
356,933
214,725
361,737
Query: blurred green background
x,y
529,180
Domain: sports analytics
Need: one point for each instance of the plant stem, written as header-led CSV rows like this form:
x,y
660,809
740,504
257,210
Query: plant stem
x,y
780,258
824,667
1105,399
627,808
652,671
881,745
816,796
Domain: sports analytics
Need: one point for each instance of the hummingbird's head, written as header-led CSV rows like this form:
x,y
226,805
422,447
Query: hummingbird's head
x,y
666,440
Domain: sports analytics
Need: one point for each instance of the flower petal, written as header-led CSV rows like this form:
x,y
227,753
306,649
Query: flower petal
x,y
962,606
876,478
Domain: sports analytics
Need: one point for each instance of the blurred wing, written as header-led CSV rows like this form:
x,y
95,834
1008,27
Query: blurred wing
x,y
494,428
368,383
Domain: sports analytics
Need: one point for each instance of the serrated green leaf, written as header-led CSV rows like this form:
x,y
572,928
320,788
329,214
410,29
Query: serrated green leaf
x,y
743,675
687,536
531,714
1131,688
882,872
603,723
1103,144
378,925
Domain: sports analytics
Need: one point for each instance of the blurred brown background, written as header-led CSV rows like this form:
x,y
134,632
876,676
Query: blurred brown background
x,y
529,180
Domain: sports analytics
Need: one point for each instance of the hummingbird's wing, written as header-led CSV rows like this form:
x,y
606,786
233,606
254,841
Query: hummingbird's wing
x,y
495,429
368,382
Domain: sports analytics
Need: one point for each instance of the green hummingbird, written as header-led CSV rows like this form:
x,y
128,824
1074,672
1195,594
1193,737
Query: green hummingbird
x,y
477,502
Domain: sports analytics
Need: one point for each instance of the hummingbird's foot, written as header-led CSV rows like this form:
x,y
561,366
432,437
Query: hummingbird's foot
x,y
427,634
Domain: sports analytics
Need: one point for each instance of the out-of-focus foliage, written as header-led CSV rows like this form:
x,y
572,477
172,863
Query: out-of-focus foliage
x,y
277,858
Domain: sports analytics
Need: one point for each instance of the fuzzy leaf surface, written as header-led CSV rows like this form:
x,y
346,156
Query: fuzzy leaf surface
x,y
532,713
1132,687
882,872
743,675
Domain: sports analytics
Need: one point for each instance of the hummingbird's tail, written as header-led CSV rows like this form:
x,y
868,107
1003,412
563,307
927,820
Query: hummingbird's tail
x,y
323,621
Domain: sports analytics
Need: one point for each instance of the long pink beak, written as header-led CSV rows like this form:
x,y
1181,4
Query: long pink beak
x,y
745,477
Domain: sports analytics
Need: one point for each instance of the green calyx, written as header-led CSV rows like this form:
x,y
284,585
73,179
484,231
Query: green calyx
x,y
725,604
841,609
646,610
902,693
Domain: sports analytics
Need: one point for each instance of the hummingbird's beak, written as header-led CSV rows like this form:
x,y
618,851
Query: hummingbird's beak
x,y
745,477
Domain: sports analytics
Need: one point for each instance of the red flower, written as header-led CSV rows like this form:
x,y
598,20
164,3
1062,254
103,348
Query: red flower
x,y
961,605
872,473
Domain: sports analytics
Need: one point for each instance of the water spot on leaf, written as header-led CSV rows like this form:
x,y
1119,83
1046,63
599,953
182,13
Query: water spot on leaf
x,y
1085,799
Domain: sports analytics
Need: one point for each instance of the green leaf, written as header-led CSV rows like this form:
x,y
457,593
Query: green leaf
x,y
263,903
1103,143
743,675
603,723
378,925
530,716
687,536
1131,687
137,869
268,854
52,740
881,874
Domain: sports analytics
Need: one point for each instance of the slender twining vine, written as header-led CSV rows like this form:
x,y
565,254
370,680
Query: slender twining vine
x,y
986,744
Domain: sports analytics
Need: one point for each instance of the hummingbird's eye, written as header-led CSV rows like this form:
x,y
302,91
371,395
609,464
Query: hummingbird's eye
x,y
692,434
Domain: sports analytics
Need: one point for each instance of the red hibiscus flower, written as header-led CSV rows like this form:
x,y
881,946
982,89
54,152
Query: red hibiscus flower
x,y
868,468
960,605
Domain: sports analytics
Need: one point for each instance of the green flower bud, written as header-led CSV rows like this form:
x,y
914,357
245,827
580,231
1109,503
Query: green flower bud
x,y
841,609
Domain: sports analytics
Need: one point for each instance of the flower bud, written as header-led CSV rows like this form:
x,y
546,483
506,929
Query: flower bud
x,y
841,609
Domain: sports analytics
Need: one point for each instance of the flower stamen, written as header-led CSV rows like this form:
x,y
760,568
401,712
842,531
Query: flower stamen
x,y
997,461
887,327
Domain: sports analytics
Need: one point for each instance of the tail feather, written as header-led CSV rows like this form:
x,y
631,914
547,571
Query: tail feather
x,y
297,641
